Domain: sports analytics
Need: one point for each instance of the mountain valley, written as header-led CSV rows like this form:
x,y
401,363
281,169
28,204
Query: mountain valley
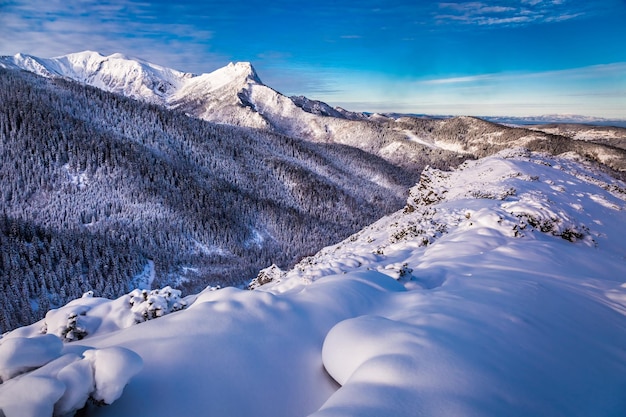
x,y
97,187
160,177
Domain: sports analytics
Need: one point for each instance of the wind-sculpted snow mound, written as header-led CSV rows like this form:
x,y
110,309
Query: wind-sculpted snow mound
x,y
498,290
39,378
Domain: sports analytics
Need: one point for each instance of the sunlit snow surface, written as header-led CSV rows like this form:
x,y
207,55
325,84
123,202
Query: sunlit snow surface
x,y
500,290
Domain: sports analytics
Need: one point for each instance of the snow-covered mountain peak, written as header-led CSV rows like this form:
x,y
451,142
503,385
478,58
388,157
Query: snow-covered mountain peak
x,y
28,63
235,75
243,69
118,73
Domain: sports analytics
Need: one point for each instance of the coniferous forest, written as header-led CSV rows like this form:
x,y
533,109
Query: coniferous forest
x,y
94,186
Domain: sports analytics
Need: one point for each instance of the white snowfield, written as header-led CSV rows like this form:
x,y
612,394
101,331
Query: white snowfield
x,y
500,290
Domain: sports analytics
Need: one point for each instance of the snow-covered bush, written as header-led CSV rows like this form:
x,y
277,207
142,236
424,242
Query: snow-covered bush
x,y
397,270
70,322
557,225
74,329
148,305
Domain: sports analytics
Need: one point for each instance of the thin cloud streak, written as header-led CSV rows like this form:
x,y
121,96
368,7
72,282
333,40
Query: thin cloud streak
x,y
504,14
603,70
458,80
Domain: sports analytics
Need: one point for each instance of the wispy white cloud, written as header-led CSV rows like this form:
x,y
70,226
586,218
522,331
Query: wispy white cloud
x,y
564,17
593,71
459,80
504,20
508,13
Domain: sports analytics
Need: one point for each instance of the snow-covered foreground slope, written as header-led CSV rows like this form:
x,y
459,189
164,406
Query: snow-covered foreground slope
x,y
500,290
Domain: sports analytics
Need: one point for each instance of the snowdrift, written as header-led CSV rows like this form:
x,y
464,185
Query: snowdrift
x,y
498,290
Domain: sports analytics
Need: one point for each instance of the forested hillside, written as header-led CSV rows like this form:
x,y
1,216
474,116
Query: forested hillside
x,y
103,192
94,186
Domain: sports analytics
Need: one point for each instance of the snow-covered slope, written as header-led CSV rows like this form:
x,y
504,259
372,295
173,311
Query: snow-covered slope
x,y
213,96
222,96
498,291
117,73
231,95
615,136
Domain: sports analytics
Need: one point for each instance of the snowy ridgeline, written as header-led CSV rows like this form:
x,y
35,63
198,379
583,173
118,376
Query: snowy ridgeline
x,y
498,290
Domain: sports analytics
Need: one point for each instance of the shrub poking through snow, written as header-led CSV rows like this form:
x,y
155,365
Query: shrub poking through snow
x,y
69,323
560,226
148,305
397,271
74,329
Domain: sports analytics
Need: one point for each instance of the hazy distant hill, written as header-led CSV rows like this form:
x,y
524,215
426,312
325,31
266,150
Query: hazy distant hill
x,y
607,135
558,119
477,137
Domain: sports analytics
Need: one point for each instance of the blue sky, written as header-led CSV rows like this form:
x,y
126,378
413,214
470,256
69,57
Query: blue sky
x,y
524,57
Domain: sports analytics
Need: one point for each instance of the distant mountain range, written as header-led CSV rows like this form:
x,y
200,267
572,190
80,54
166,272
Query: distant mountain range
x,y
235,95
557,118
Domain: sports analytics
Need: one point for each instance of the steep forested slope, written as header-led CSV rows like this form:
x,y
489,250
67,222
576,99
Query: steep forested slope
x,y
96,188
